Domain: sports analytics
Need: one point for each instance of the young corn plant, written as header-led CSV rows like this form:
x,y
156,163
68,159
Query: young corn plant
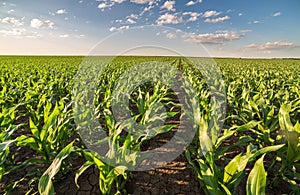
x,y
51,132
45,186
108,175
290,155
218,180
7,128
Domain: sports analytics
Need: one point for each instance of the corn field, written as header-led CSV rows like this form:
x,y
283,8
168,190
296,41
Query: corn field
x,y
255,147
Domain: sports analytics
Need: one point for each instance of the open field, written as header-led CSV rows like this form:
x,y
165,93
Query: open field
x,y
43,115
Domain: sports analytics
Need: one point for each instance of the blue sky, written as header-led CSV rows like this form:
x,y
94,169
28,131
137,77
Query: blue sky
x,y
225,28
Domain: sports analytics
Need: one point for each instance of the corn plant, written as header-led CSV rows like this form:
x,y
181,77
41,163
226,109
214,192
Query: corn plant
x,y
50,135
45,185
7,129
214,179
290,156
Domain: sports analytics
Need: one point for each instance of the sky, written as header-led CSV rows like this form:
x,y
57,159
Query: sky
x,y
221,28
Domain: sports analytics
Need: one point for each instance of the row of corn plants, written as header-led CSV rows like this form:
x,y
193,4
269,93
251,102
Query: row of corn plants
x,y
262,116
40,104
38,115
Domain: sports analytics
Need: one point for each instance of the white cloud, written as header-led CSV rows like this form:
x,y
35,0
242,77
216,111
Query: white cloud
x,y
246,31
240,14
64,36
118,1
169,19
192,19
191,13
123,27
150,6
271,45
49,23
211,13
210,38
254,22
11,11
169,5
112,29
216,20
130,21
13,32
61,11
133,16
142,1
72,36
277,14
80,1
20,33
104,5
108,4
171,36
12,20
36,23
193,2
193,16
190,3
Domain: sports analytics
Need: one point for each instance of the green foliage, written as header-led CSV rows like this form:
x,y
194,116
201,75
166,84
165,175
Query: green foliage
x,y
256,182
261,122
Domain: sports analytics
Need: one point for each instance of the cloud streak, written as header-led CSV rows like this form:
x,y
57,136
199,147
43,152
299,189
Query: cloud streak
x,y
61,11
276,45
277,14
169,5
211,38
190,3
36,23
216,20
169,19
211,13
12,20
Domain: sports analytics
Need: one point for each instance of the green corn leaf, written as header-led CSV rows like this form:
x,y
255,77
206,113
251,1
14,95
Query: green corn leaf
x,y
209,178
49,122
256,182
120,170
249,125
34,129
47,111
6,144
84,167
235,167
231,168
270,116
24,140
297,127
45,185
266,150
284,118
164,129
